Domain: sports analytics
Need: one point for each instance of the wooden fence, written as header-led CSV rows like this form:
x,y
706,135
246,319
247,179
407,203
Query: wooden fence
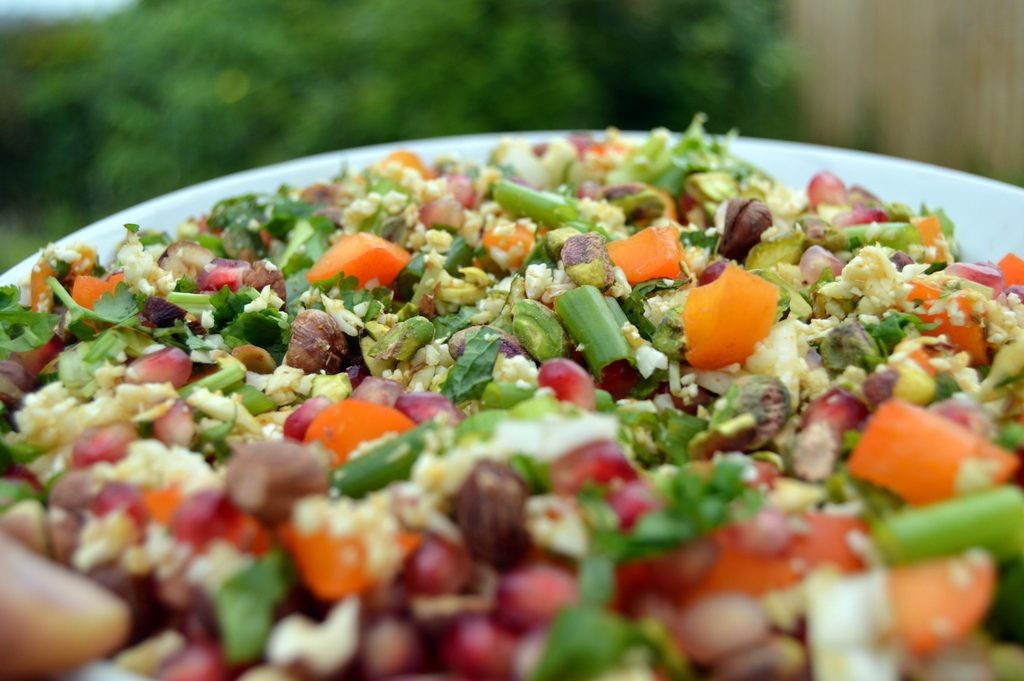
x,y
935,80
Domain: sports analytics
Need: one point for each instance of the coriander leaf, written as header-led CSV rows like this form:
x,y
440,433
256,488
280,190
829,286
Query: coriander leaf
x,y
583,643
676,430
633,304
446,325
245,606
21,329
265,329
469,375
699,239
892,329
227,305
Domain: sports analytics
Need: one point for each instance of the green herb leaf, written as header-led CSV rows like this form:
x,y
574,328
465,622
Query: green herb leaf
x,y
245,606
699,239
471,373
446,325
21,329
597,579
583,643
265,329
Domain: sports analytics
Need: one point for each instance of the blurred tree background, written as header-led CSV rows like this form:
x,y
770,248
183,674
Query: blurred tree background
x,y
99,113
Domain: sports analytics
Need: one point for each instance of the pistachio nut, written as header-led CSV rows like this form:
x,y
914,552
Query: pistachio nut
x,y
746,418
668,336
334,387
509,346
639,202
556,238
848,345
586,260
538,330
402,342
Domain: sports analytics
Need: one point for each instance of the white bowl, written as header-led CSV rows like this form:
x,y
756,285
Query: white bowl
x,y
989,215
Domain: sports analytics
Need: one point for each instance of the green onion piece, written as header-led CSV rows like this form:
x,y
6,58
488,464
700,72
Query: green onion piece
x,y
460,254
384,464
992,520
897,235
254,401
595,323
196,303
548,208
222,380
505,394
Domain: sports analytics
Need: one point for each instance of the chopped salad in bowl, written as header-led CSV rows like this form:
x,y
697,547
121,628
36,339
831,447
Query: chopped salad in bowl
x,y
592,409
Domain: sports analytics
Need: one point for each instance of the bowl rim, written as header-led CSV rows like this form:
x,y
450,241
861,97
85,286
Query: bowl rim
x,y
427,145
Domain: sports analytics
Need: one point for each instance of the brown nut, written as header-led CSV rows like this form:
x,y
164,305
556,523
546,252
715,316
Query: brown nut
x,y
255,359
185,259
317,343
74,491
25,522
265,479
490,509
508,346
261,274
744,222
15,381
161,313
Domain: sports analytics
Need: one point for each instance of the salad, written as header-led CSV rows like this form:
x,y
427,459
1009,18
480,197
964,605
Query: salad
x,y
593,409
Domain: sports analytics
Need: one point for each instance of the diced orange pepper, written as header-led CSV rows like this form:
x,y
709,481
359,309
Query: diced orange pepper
x,y
363,256
345,425
939,602
930,229
921,456
333,567
411,160
40,293
87,290
162,502
651,253
726,319
969,337
1013,269
509,249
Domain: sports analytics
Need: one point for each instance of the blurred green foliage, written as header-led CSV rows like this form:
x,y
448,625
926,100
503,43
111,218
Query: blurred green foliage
x,y
95,116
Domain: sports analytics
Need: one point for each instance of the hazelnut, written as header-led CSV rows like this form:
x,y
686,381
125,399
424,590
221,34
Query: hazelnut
x,y
317,343
265,479
490,509
743,223
261,274
255,359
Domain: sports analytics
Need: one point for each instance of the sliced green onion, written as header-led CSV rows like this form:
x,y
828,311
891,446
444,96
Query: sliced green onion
x,y
505,394
222,380
254,401
386,463
595,323
551,209
196,303
897,235
460,254
991,520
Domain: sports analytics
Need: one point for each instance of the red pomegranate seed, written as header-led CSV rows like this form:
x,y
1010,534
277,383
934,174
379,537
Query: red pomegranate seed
x,y
168,365
120,496
984,273
826,188
297,423
600,463
104,443
220,273
461,187
390,647
18,473
36,360
443,212
532,595
205,516
712,272
766,534
380,391
175,426
860,216
423,406
619,378
816,260
478,648
967,413
632,501
437,567
672,573
569,381
837,407
199,661
765,476
582,144
356,374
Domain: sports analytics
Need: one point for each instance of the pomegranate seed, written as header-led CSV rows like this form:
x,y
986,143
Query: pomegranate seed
x,y
36,360
199,661
672,573
816,260
424,406
104,443
357,373
120,496
712,272
589,190
860,216
837,407
390,647
765,476
461,187
601,463
205,516
716,626
380,391
18,473
826,188
619,378
176,425
220,273
168,365
297,423
984,273
968,414
766,534
582,144
569,381
532,595
437,567
443,212
476,647
632,501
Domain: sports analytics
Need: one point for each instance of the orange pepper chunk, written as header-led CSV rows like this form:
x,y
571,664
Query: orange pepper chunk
x,y
363,256
87,290
651,253
508,248
344,426
1013,269
726,319
930,229
921,456
161,503
409,159
333,567
968,337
